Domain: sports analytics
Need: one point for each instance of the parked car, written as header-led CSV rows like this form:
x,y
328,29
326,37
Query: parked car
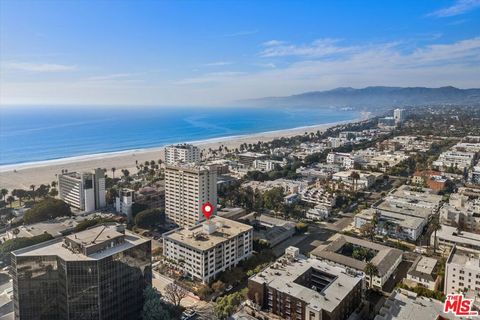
x,y
188,314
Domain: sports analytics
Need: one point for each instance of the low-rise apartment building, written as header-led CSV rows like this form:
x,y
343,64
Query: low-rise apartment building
x,y
447,237
457,160
354,253
423,273
462,213
267,165
366,179
207,249
296,287
247,158
393,224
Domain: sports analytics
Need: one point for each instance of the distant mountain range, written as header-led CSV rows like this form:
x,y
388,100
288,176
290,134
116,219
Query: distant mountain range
x,y
373,97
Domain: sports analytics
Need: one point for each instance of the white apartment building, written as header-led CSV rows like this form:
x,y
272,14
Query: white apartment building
x,y
447,237
461,212
337,157
319,196
399,115
423,273
124,202
182,153
84,191
187,188
456,159
384,258
336,142
393,224
319,212
462,273
267,165
366,180
467,147
209,248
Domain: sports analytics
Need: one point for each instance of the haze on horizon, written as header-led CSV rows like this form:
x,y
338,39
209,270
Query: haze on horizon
x,y
212,52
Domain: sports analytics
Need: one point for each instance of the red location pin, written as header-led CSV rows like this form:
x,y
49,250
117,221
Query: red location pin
x,y
207,209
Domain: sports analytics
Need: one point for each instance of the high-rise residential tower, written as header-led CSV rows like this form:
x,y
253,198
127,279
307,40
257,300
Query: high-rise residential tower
x,y
182,153
84,191
187,188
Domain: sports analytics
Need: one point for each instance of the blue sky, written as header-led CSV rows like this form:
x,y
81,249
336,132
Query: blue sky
x,y
214,52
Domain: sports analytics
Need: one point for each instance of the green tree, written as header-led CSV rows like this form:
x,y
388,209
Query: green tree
x,y
355,176
53,192
10,200
218,286
4,193
47,209
22,242
372,271
113,172
32,187
149,218
228,304
436,226
153,307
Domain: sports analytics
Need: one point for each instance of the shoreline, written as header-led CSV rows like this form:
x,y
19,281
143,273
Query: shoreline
x,y
22,175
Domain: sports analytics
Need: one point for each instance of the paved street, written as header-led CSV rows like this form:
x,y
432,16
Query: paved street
x,y
203,308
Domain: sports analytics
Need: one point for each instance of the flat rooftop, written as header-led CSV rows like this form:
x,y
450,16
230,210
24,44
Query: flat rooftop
x,y
426,195
197,238
405,305
424,268
57,247
385,257
404,209
402,220
94,236
283,274
465,257
463,238
252,154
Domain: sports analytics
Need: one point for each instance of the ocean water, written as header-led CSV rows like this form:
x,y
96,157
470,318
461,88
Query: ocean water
x,y
32,134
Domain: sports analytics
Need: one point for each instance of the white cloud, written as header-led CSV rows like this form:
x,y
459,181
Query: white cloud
x,y
115,76
209,78
389,64
318,48
459,7
218,64
37,67
273,43
241,33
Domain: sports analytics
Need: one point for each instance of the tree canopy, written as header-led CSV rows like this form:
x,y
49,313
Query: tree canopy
x,y
47,209
149,218
22,242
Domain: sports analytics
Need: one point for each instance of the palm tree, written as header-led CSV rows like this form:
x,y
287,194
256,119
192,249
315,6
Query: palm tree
x,y
113,172
33,192
53,184
436,226
4,193
372,271
10,200
355,176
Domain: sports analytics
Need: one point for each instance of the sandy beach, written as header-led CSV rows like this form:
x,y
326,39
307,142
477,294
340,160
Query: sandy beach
x,y
24,175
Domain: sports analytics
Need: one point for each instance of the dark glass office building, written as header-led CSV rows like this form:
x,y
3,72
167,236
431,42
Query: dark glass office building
x,y
99,273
